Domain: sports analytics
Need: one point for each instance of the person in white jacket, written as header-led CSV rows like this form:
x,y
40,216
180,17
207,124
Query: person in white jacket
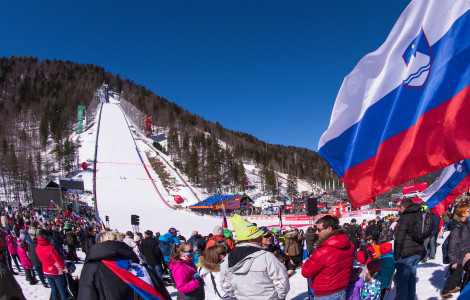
x,y
209,270
249,271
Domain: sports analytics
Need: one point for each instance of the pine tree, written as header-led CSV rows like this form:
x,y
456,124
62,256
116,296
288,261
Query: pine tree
x,y
292,186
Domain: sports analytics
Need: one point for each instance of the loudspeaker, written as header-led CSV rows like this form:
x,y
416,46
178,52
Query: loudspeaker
x,y
312,207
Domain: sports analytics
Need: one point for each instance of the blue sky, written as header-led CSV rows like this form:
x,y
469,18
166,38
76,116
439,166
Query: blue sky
x,y
268,68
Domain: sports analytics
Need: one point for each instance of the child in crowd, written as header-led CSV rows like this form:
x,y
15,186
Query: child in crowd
x,y
25,260
72,282
372,288
356,282
388,267
369,251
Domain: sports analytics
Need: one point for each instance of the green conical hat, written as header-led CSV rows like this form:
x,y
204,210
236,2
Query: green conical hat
x,y
244,229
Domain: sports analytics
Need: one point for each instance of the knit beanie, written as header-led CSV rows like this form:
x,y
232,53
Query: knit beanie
x,y
385,248
374,266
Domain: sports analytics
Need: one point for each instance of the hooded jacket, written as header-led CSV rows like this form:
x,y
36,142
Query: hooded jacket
x,y
97,281
11,243
459,241
183,273
330,264
210,272
404,245
250,272
24,258
52,262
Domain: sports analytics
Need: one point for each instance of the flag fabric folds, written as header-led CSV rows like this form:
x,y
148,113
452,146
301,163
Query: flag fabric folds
x,y
453,182
75,216
279,214
224,220
403,111
53,204
134,276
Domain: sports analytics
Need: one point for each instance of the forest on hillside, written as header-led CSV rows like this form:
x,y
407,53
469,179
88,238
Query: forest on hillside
x,y
38,112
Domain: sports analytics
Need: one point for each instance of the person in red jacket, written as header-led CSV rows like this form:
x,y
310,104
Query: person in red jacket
x,y
53,266
331,263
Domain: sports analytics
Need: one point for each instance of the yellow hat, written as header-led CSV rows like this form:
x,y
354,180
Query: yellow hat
x,y
244,229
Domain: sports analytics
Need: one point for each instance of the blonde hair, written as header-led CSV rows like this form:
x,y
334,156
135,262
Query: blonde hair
x,y
104,236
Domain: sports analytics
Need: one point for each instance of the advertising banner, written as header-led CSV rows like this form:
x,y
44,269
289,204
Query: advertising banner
x,y
417,187
80,119
289,207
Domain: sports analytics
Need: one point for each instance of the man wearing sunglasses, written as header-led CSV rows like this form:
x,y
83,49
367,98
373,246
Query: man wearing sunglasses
x,y
331,262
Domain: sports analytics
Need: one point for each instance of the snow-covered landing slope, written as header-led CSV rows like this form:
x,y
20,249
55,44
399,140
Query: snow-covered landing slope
x,y
124,188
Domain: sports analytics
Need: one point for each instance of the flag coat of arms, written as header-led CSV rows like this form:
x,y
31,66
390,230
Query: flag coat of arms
x,y
403,111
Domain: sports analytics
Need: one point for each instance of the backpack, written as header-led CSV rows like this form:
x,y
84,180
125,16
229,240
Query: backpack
x,y
368,254
423,227
445,245
68,240
165,247
222,242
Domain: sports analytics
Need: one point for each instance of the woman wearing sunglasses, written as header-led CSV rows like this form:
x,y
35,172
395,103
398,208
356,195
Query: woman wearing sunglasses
x,y
189,284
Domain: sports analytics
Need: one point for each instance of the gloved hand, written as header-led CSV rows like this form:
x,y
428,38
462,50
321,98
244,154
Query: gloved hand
x,y
198,277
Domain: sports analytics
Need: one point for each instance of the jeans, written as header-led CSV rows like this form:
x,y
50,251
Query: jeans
x,y
157,269
336,296
405,277
40,274
58,286
430,245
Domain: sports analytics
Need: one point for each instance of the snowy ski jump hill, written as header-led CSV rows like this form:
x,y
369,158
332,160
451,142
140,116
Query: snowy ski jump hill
x,y
124,187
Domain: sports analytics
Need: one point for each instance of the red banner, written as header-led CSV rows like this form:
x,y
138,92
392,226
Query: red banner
x,y
417,187
289,207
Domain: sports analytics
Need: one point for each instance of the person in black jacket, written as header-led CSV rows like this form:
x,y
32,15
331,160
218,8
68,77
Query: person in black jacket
x,y
458,247
71,241
353,231
98,281
36,262
87,239
152,253
407,251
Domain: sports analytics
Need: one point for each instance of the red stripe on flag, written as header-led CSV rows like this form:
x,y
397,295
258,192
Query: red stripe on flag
x,y
130,278
439,138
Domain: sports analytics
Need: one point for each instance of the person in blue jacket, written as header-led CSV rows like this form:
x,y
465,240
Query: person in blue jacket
x,y
165,243
388,267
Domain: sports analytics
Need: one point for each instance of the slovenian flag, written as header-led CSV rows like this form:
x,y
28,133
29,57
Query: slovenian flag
x,y
224,220
53,204
135,276
403,111
453,182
